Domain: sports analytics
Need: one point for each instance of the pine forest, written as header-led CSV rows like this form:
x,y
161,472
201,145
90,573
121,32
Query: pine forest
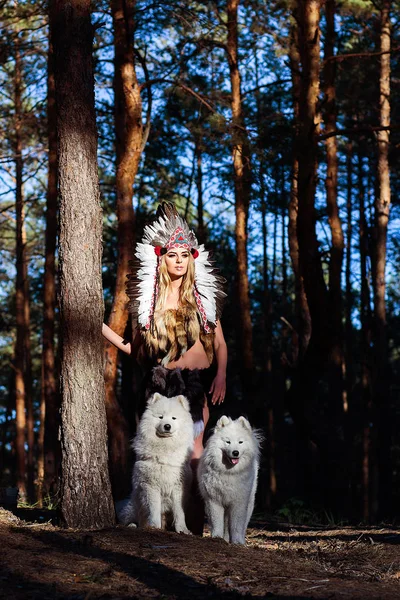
x,y
273,126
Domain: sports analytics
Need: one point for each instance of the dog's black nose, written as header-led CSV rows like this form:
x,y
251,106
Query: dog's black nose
x,y
167,427
235,453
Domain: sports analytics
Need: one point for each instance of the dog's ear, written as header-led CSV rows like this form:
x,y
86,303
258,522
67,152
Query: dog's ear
x,y
245,423
184,402
153,399
223,422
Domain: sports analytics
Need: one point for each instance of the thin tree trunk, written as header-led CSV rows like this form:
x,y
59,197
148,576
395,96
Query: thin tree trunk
x,y
320,361
241,166
86,499
283,235
21,383
348,272
382,208
331,184
129,141
368,510
49,450
199,184
302,313
308,15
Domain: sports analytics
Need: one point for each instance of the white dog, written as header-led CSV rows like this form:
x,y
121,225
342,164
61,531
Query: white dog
x,y
162,476
228,474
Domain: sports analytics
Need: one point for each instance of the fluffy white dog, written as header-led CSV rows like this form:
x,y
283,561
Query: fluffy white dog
x,y
228,475
162,476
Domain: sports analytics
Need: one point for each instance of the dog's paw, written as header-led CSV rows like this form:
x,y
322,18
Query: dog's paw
x,y
133,525
183,530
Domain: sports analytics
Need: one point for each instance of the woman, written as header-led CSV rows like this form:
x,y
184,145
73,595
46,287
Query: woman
x,y
176,299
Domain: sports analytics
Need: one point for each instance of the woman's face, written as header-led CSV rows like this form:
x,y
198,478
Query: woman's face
x,y
177,260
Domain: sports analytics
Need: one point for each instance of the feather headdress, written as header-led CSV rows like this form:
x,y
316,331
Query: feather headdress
x,y
169,230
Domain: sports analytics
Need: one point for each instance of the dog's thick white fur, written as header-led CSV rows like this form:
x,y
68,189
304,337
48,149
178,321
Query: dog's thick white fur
x,y
228,475
162,476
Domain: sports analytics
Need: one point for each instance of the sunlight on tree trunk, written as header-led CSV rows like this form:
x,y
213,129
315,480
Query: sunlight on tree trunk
x,y
331,186
86,500
129,141
23,377
241,166
382,208
49,410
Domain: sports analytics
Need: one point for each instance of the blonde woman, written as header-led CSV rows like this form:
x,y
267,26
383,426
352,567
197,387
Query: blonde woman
x,y
176,299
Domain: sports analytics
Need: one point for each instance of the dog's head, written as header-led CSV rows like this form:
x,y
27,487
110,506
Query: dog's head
x,y
167,414
237,440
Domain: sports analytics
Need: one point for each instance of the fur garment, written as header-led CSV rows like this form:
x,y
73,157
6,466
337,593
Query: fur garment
x,y
173,382
175,331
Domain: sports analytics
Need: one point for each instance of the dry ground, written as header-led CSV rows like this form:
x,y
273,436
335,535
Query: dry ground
x,y
41,561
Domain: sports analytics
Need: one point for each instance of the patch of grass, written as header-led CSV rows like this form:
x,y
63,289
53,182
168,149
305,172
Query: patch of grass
x,y
296,512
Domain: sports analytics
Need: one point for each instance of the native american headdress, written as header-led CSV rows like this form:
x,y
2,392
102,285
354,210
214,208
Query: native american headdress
x,y
169,230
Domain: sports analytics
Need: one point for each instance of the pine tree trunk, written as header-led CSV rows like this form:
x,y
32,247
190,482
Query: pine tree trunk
x,y
367,486
22,390
241,166
199,185
348,285
382,208
129,140
308,15
323,425
331,185
48,436
86,500
302,313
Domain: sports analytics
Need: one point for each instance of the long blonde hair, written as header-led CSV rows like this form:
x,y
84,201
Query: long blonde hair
x,y
186,296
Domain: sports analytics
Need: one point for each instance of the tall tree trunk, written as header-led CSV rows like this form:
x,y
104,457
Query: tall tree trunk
x,y
241,166
320,419
23,391
331,184
368,493
382,207
86,499
129,141
302,313
199,184
348,272
283,236
308,16
48,436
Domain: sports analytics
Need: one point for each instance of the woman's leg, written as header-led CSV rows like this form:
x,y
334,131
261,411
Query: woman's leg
x,y
198,442
195,516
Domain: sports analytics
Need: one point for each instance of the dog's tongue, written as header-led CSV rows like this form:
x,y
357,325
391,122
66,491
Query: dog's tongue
x,y
234,461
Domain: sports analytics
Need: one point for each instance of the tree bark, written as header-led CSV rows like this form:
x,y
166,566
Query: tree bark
x,y
368,493
318,417
331,185
198,152
382,208
23,376
302,313
241,166
348,271
86,500
49,449
129,147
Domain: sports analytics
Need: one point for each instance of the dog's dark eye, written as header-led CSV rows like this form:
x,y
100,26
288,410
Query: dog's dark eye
x,y
160,417
227,441
240,441
174,418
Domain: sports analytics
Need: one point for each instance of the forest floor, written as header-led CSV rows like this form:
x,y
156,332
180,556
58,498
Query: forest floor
x,y
41,561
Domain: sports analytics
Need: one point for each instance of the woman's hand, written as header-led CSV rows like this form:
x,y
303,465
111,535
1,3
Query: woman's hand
x,y
218,389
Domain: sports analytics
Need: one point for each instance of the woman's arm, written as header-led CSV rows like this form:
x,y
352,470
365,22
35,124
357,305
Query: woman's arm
x,y
116,339
218,386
